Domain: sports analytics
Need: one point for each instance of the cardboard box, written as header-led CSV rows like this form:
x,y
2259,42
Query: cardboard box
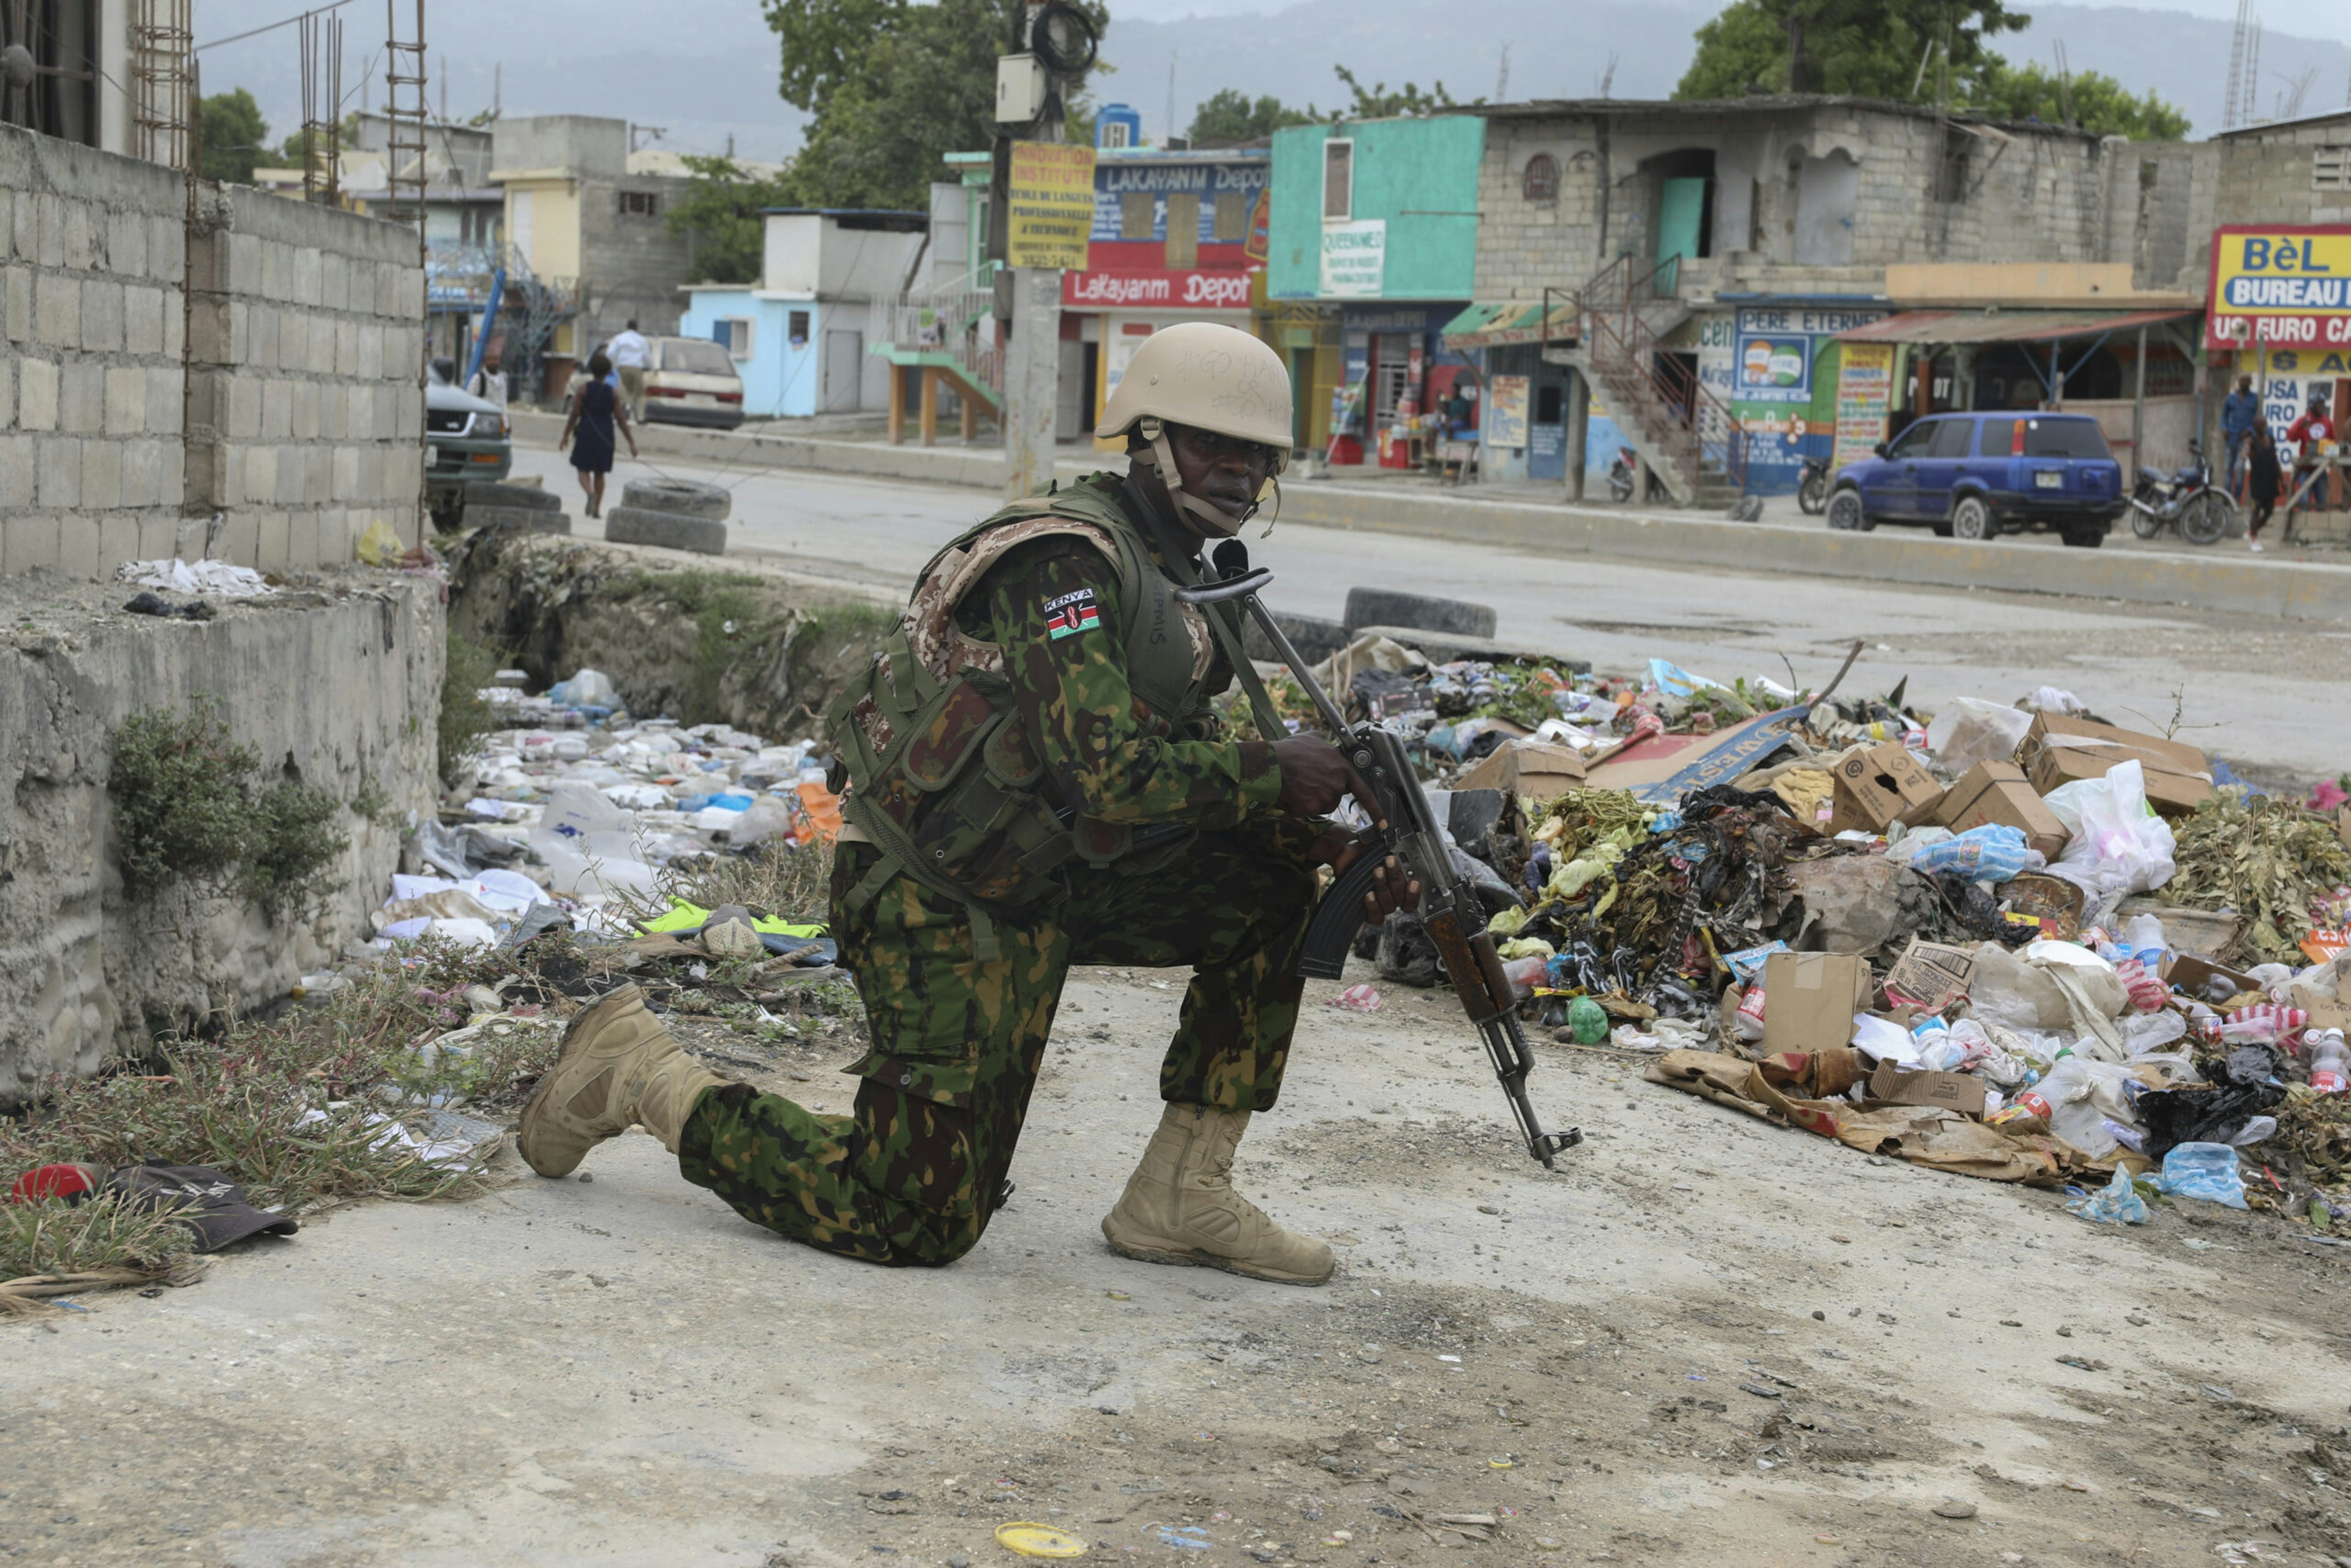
x,y
1535,768
2059,750
2188,972
2326,1012
1662,768
1930,975
1882,785
1892,1085
1997,794
1810,998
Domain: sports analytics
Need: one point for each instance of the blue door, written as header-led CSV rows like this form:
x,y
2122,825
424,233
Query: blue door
x,y
1890,487
1936,469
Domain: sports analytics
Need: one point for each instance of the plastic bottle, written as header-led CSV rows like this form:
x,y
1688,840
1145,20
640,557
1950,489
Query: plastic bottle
x,y
2330,1060
2143,935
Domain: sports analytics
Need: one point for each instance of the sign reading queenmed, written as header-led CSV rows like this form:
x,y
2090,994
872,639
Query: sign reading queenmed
x,y
1355,259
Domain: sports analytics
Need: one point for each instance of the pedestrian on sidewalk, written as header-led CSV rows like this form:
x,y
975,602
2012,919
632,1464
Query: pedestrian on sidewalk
x,y
489,382
2238,413
2312,436
2262,479
632,356
594,413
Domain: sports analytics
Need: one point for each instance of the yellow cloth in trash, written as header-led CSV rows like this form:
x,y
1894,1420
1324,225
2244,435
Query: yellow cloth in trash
x,y
1805,790
684,916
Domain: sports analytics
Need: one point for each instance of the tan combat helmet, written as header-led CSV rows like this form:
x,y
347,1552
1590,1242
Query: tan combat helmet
x,y
1209,377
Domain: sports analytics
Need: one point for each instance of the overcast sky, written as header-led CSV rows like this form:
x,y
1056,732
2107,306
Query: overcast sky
x,y
705,70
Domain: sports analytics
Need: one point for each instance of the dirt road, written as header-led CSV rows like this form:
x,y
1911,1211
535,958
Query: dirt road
x,y
1701,1342
2259,693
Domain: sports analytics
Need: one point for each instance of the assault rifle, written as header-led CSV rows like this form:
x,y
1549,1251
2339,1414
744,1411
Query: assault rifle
x,y
1449,910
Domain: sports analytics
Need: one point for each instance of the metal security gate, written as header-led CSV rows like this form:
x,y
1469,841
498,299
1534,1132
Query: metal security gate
x,y
844,364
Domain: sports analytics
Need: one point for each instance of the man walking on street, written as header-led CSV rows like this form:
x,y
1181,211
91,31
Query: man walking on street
x,y
489,382
632,356
1036,779
2240,412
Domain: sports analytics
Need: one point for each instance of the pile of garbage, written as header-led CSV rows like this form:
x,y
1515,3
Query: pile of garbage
x,y
2001,939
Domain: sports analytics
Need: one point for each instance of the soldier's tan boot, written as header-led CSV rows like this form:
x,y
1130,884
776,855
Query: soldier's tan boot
x,y
1180,1207
619,1066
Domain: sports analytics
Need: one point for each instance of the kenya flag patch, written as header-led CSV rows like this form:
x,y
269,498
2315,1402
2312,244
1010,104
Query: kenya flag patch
x,y
1072,613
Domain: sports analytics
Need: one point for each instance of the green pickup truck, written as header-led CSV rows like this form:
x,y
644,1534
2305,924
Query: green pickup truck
x,y
466,441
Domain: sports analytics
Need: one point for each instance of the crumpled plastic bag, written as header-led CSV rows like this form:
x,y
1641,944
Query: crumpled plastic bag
x,y
1994,852
2208,1171
2116,1203
1969,730
1658,1034
379,546
2119,846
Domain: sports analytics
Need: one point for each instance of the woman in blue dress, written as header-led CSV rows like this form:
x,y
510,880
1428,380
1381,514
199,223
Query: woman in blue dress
x,y
594,414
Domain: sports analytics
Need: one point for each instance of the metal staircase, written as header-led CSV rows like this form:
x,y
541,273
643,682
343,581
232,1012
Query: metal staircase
x,y
1684,434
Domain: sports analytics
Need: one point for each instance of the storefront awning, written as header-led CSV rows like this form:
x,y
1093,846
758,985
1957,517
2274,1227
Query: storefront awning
x,y
1493,326
2003,325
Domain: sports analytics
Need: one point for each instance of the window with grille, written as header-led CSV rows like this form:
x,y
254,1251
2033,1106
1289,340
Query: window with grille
x,y
61,98
1338,179
639,204
1232,216
2330,167
797,328
1138,214
1540,183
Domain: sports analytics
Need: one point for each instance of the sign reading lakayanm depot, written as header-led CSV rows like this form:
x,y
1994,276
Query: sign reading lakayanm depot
x,y
1050,212
2280,288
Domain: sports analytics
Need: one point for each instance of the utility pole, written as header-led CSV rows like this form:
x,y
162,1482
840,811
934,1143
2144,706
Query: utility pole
x,y
1052,45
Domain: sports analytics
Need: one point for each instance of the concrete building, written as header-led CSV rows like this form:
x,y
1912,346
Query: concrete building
x,y
582,209
107,74
1371,249
801,336
1694,266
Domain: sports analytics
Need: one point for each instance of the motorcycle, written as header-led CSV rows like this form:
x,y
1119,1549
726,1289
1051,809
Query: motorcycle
x,y
1620,479
1813,487
2187,500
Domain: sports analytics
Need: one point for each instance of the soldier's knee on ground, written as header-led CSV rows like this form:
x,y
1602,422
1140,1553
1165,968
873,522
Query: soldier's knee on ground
x,y
920,1157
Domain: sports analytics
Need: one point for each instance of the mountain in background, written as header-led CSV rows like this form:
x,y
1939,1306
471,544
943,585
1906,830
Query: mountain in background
x,y
707,70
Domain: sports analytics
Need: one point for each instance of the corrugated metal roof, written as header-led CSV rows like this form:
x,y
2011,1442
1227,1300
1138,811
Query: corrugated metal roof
x,y
2003,326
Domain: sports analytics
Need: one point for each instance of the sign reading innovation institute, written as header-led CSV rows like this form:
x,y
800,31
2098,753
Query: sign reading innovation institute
x,y
1050,206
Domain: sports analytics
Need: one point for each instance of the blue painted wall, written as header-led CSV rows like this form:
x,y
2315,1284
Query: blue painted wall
x,y
779,381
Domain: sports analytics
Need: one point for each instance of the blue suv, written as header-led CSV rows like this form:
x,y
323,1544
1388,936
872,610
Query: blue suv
x,y
1979,475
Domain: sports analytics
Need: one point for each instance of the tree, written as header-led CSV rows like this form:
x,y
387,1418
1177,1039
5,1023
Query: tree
x,y
1227,117
2096,103
1865,48
345,135
1377,102
721,212
893,87
231,134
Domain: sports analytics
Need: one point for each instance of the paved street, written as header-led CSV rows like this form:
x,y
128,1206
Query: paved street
x,y
2264,696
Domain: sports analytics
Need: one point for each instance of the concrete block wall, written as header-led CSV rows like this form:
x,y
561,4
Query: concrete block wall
x,y
263,362
92,260
306,408
339,684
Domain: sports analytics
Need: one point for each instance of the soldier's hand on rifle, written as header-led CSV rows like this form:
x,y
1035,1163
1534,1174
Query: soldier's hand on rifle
x,y
1315,774
1391,888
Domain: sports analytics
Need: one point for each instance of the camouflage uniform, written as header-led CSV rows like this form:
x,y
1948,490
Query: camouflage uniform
x,y
912,1176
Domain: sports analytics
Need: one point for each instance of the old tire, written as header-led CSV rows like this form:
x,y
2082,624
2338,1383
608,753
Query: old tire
x,y
670,530
1385,607
1973,519
1314,637
1847,514
518,519
519,497
682,497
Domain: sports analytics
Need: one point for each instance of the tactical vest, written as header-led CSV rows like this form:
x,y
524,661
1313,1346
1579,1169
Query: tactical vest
x,y
943,776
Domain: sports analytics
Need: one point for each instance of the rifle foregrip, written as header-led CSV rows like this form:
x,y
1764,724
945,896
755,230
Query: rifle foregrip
x,y
1340,916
